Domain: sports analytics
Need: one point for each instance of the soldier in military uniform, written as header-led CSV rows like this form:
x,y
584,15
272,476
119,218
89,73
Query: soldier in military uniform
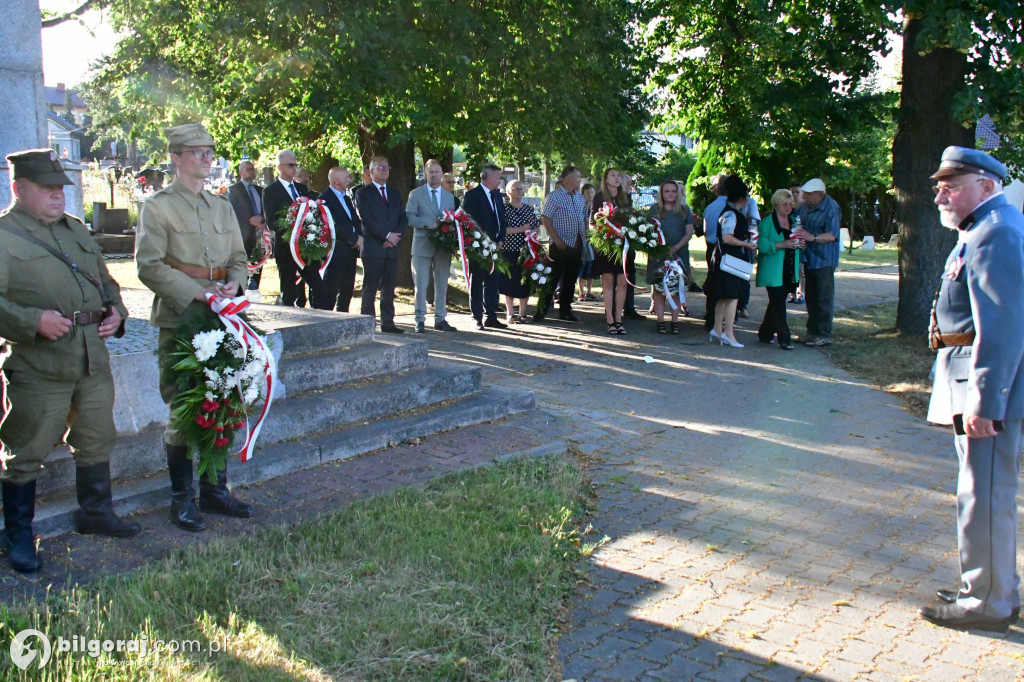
x,y
57,374
189,245
977,327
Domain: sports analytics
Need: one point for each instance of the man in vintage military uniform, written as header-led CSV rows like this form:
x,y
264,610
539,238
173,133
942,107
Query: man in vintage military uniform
x,y
57,374
189,245
978,327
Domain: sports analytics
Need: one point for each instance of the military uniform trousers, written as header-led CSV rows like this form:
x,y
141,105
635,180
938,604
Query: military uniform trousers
x,y
986,520
41,410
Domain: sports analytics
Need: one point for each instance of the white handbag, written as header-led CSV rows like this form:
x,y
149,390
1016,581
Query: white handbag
x,y
737,267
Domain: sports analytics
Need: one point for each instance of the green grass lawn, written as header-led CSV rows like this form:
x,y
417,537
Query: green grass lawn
x,y
465,578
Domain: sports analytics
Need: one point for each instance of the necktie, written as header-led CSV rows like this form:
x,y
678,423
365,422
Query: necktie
x,y
294,192
433,195
383,195
255,199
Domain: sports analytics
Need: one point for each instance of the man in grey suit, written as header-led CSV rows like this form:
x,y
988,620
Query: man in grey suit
x,y
382,211
977,327
424,209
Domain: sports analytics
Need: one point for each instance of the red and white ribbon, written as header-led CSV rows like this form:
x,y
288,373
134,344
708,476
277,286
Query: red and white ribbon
x,y
305,204
667,269
456,217
268,247
228,309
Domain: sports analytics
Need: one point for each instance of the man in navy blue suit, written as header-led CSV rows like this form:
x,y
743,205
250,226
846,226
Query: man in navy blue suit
x,y
382,210
484,205
340,277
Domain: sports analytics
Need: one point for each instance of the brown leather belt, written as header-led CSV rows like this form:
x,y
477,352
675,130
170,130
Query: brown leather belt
x,y
84,318
199,272
937,341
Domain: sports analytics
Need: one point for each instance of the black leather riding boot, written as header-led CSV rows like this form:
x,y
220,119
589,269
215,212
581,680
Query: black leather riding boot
x,y
96,516
217,499
183,505
19,510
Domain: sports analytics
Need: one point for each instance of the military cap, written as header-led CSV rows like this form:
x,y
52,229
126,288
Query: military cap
x,y
41,166
188,135
961,161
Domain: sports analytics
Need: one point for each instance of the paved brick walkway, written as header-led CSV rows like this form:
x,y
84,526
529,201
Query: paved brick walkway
x,y
769,516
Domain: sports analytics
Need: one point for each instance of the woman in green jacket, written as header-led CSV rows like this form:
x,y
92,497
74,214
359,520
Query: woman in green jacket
x,y
778,269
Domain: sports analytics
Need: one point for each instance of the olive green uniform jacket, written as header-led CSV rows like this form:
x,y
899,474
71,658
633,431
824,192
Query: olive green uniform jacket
x,y
65,382
178,226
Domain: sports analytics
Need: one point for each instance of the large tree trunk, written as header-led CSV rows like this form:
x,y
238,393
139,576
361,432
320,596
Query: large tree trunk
x,y
444,154
926,127
402,159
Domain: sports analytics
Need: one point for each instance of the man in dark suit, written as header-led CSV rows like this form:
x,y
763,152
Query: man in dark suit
x,y
277,197
977,325
340,277
244,196
382,210
483,203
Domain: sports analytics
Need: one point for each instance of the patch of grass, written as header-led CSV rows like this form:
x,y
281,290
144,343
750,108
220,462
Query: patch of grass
x,y
465,578
868,345
882,254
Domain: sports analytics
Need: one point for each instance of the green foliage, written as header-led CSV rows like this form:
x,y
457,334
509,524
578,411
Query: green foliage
x,y
507,80
776,88
989,33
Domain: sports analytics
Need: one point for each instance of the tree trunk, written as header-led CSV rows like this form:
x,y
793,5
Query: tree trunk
x,y
445,155
926,127
402,159
547,177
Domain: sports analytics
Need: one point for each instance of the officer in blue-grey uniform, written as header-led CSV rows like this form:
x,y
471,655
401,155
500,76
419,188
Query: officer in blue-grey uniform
x,y
978,327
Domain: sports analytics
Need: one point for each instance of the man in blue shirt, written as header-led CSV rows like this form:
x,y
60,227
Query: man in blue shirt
x,y
820,230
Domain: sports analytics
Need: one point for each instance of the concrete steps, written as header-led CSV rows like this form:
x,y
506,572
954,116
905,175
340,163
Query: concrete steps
x,y
343,393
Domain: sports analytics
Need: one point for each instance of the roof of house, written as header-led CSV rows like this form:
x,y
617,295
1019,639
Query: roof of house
x,y
55,97
63,123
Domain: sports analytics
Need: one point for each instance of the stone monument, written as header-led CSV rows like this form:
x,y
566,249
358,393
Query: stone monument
x,y
22,109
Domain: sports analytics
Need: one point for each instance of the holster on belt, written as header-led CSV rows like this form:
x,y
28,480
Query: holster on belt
x,y
937,339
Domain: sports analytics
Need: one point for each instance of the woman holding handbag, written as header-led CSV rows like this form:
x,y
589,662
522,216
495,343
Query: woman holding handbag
x,y
732,265
778,268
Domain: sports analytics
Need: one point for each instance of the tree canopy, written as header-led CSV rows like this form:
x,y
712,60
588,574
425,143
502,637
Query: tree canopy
x,y
511,79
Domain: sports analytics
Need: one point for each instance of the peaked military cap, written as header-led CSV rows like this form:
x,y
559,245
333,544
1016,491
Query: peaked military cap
x,y
41,166
961,161
188,135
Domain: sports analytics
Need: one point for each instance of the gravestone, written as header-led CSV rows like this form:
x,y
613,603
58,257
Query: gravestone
x,y
109,220
22,109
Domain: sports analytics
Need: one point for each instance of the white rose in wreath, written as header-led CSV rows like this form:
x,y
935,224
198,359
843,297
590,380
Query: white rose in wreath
x,y
534,276
543,280
476,234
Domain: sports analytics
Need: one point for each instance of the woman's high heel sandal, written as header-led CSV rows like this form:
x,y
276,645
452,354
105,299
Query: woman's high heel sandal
x,y
661,328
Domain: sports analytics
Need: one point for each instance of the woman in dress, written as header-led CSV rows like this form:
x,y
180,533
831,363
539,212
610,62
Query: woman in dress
x,y
733,240
778,268
677,225
519,218
587,269
613,279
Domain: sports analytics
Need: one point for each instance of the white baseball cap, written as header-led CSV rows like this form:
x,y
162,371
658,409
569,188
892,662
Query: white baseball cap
x,y
814,185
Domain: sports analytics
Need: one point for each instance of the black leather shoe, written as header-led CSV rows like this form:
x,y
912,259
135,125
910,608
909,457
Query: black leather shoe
x,y
539,316
480,325
949,596
391,329
493,323
568,317
956,617
420,328
443,326
215,498
632,315
96,516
